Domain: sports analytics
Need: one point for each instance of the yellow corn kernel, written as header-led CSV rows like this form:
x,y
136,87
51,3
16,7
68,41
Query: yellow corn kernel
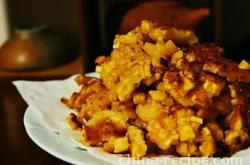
x,y
139,98
186,133
190,57
211,67
98,69
164,138
192,147
232,138
109,146
151,110
188,84
131,38
146,26
213,88
124,89
168,102
138,147
206,131
186,149
196,119
161,86
119,119
176,56
168,122
121,145
171,47
208,146
233,91
235,101
157,34
244,65
158,95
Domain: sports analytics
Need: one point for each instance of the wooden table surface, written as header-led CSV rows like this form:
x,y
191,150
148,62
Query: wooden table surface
x,y
15,145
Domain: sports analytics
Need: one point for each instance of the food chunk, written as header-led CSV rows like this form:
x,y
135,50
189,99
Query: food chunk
x,y
121,145
164,138
138,146
237,136
151,110
158,95
188,125
213,86
117,118
139,98
216,131
159,50
186,149
160,92
244,65
208,146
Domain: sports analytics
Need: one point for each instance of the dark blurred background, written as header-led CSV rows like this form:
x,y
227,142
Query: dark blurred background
x,y
88,27
60,16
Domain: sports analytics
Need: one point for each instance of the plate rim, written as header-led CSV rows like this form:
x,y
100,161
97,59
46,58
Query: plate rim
x,y
47,149
51,151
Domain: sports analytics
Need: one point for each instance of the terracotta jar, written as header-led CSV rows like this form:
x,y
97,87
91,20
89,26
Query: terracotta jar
x,y
164,13
33,48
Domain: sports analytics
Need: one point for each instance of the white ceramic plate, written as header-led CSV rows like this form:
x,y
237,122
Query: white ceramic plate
x,y
53,144
44,96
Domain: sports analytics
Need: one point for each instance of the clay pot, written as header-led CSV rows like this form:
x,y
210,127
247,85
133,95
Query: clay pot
x,y
33,48
164,13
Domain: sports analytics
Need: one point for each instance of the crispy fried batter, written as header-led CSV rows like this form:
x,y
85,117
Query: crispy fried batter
x,y
215,63
155,96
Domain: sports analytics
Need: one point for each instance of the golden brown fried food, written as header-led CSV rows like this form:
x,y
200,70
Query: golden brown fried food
x,y
154,96
217,64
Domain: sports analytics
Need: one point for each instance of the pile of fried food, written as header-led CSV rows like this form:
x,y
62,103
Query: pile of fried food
x,y
161,92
